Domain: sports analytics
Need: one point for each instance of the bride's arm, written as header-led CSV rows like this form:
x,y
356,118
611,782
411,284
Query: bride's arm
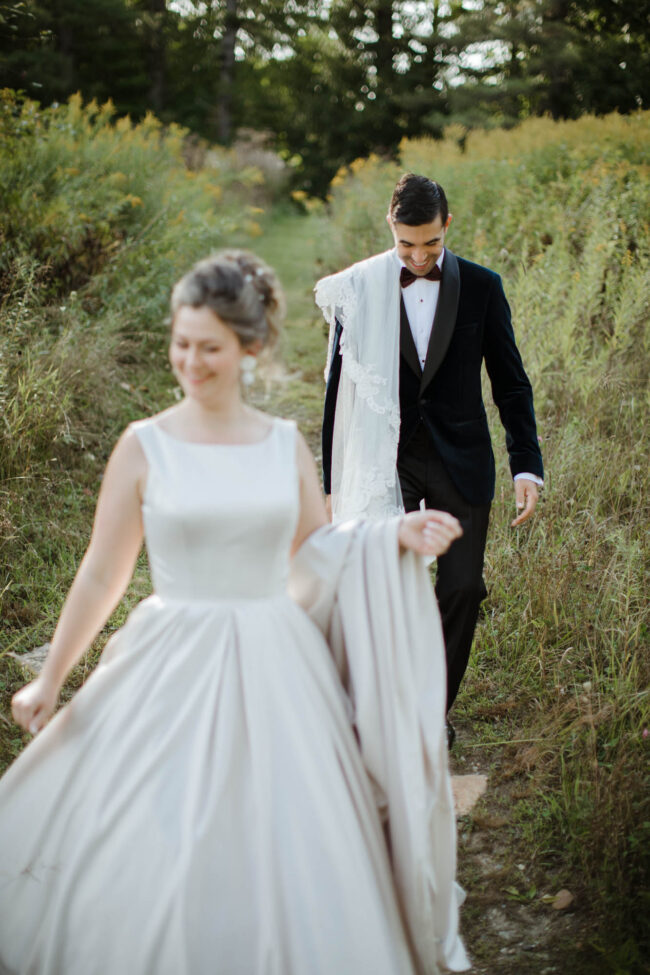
x,y
428,532
99,584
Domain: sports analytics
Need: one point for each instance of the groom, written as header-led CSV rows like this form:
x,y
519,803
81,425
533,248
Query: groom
x,y
447,317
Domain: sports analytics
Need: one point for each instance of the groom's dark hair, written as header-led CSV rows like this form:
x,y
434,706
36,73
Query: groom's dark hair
x,y
417,200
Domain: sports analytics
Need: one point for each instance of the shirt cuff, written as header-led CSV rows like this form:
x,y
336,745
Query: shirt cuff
x,y
529,477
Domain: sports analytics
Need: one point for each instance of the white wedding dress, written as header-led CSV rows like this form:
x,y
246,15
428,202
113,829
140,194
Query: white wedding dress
x,y
202,805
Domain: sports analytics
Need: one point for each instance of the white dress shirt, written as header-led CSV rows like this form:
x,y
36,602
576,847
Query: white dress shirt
x,y
421,302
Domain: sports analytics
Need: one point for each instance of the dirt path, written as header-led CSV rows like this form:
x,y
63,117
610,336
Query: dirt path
x,y
515,920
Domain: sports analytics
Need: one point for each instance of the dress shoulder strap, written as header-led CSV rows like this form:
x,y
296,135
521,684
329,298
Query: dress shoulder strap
x,y
285,439
149,437
286,428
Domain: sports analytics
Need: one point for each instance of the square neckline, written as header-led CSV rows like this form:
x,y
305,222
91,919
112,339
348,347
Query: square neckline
x,y
202,443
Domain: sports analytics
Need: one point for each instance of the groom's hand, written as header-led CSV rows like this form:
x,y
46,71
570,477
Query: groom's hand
x,y
526,495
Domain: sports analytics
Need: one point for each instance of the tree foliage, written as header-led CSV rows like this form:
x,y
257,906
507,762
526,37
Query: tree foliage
x,y
332,80
556,57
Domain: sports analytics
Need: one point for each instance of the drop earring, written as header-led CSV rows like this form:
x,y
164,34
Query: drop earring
x,y
248,365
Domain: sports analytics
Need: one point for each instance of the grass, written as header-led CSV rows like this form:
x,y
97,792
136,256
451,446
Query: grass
x,y
560,670
293,247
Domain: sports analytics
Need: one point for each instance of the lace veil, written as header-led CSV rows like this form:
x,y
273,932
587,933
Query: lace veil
x,y
365,299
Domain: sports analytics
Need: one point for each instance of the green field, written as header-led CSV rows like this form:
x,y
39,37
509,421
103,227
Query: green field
x,y
97,220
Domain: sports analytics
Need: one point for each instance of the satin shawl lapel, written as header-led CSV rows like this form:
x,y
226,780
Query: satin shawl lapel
x,y
445,318
406,342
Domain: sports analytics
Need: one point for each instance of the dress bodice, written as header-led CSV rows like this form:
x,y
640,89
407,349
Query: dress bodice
x,y
219,518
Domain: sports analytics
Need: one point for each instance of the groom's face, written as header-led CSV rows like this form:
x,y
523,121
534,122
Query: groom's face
x,y
420,246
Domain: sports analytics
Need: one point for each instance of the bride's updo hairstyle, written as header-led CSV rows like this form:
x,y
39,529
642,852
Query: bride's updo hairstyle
x,y
240,289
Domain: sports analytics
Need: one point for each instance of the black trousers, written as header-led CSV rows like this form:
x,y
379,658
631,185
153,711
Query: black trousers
x,y
459,579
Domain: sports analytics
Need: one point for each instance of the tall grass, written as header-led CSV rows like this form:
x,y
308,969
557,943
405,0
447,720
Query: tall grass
x,y
98,217
561,210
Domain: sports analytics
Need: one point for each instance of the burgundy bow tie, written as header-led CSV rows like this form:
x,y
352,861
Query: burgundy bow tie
x,y
406,276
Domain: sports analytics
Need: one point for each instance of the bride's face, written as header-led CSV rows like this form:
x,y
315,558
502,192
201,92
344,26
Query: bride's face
x,y
205,354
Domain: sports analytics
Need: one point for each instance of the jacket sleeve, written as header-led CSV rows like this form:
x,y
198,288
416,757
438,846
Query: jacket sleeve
x,y
511,389
329,410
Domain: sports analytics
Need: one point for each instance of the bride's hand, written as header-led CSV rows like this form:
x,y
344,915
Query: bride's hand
x,y
429,532
33,705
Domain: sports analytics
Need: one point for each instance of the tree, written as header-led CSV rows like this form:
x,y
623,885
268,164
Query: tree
x,y
311,102
401,48
94,47
154,19
332,79
226,73
561,57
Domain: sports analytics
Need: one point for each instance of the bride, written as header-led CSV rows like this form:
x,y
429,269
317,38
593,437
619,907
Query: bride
x,y
211,801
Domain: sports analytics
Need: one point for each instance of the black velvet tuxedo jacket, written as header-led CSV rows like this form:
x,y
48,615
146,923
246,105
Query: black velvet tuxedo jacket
x,y
472,325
